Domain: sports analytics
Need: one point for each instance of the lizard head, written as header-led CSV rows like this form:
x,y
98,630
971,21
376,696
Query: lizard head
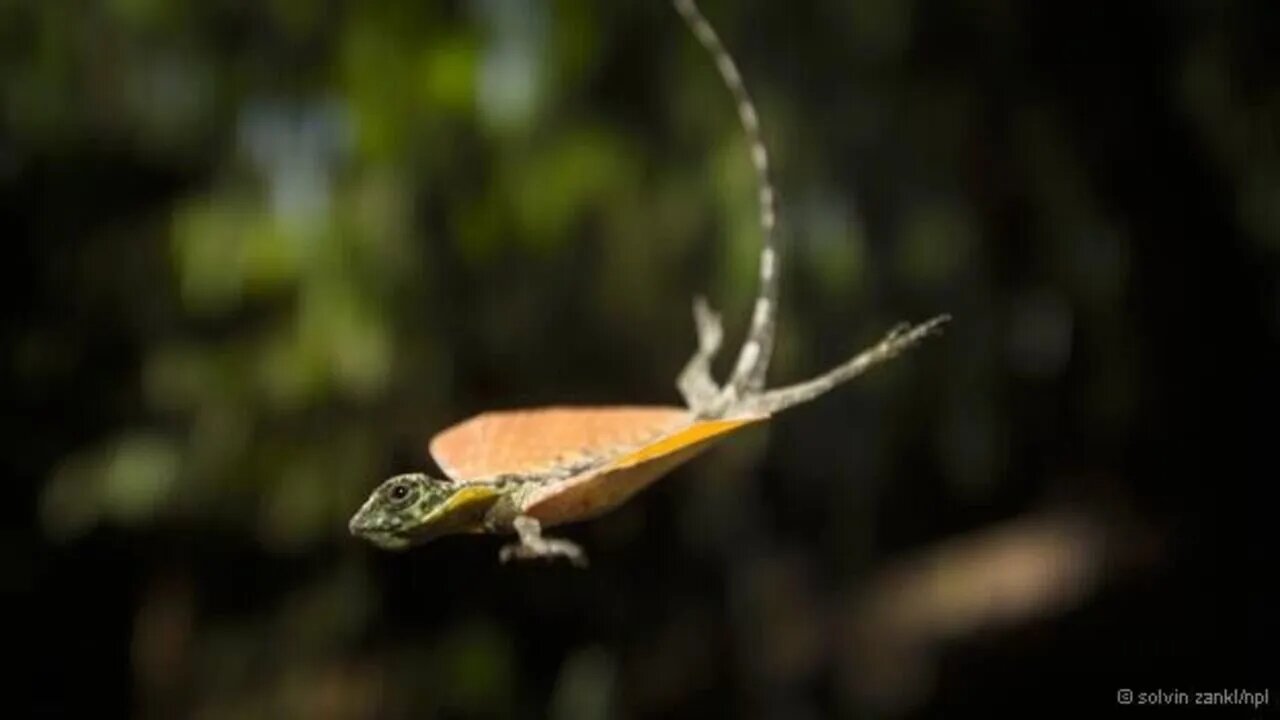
x,y
411,509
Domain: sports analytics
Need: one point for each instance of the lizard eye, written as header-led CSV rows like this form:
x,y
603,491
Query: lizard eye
x,y
400,492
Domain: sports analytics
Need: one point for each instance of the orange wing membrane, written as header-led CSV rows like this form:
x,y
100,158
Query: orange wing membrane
x,y
602,489
541,439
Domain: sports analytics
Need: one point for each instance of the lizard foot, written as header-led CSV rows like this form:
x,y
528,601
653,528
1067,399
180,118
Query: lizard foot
x,y
533,545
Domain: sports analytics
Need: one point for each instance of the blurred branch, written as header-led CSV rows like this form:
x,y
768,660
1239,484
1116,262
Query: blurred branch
x,y
1004,576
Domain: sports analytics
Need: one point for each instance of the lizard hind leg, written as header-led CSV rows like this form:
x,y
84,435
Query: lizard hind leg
x,y
748,376
533,545
696,383
899,339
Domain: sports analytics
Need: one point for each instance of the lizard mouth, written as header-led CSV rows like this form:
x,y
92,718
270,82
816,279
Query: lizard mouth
x,y
383,536
369,526
387,540
392,533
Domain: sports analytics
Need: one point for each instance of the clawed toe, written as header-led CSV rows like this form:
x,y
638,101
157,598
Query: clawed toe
x,y
709,326
548,550
897,331
532,545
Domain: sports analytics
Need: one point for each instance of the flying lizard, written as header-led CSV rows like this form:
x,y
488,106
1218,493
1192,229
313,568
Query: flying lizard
x,y
518,472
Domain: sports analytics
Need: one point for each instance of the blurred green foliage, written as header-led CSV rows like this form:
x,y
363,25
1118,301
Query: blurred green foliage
x,y
375,219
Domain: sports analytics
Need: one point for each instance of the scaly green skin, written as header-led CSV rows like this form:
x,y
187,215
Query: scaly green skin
x,y
411,509
414,508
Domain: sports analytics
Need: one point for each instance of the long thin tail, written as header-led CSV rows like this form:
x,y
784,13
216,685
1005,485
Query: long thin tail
x,y
748,377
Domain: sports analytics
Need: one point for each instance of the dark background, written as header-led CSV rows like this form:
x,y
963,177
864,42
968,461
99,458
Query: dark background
x,y
259,252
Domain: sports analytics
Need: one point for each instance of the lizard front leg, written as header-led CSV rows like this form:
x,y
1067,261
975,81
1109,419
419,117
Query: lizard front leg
x,y
533,545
